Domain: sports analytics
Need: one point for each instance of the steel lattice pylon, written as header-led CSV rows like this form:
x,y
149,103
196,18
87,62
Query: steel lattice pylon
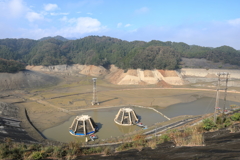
x,y
225,76
95,100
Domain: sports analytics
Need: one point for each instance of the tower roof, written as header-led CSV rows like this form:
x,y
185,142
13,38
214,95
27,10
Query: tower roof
x,y
83,117
126,117
83,125
127,109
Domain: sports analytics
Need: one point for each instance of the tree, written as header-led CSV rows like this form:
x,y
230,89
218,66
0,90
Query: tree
x,y
11,66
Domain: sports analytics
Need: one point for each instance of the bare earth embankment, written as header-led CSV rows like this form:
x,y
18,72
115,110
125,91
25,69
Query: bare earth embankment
x,y
26,79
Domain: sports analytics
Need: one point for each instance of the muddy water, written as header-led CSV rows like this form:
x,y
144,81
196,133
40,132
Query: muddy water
x,y
104,118
199,107
108,128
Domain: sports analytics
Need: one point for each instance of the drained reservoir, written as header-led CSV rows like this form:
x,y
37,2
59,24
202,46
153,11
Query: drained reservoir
x,y
104,118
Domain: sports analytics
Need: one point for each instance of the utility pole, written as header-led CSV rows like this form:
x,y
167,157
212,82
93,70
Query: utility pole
x,y
225,94
217,99
217,96
95,100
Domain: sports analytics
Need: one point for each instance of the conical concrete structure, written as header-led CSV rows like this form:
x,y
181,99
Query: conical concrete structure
x,y
83,125
126,117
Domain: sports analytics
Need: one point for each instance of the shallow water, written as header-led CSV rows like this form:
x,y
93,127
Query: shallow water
x,y
104,118
199,107
108,128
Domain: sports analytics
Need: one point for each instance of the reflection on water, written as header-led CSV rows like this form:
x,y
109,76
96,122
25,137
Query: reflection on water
x,y
104,118
126,129
108,128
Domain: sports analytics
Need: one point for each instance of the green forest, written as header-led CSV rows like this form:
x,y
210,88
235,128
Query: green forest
x,y
104,51
11,66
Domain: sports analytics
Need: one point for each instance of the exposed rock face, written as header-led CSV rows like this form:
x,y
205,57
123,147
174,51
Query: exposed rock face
x,y
57,68
116,75
72,69
93,70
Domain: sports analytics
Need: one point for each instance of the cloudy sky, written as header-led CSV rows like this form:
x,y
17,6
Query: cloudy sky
x,y
211,23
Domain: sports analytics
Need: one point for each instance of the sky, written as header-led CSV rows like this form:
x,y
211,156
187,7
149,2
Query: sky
x,y
210,23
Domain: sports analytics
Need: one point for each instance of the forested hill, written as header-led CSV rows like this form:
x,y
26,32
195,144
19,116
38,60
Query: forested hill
x,y
104,51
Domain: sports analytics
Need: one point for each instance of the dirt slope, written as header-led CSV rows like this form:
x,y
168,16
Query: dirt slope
x,y
139,77
116,75
93,70
90,70
26,79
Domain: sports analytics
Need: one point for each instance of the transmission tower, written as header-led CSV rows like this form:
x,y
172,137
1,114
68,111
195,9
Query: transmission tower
x,y
95,100
225,93
225,76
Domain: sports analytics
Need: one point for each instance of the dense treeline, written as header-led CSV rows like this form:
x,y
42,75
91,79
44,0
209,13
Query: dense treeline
x,y
11,66
104,51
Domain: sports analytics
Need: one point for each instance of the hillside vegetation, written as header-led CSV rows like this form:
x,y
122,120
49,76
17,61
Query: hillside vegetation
x,y
11,66
95,50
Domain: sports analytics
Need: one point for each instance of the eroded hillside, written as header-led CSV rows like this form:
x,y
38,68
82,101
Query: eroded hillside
x,y
38,76
26,79
116,75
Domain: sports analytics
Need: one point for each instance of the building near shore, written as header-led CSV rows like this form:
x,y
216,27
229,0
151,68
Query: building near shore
x,y
83,125
126,117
